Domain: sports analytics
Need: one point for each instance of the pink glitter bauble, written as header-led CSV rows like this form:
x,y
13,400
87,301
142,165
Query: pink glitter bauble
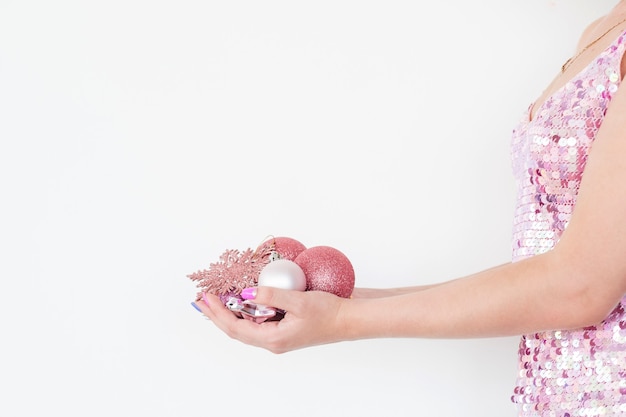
x,y
286,247
327,269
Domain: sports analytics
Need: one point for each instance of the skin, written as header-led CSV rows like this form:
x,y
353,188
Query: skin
x,y
555,290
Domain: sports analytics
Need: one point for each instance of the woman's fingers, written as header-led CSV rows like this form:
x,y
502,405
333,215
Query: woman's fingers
x,y
310,319
287,300
243,330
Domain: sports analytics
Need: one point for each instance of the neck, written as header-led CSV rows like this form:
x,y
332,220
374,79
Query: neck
x,y
619,8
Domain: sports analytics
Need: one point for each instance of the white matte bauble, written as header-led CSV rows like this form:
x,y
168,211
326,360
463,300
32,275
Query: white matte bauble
x,y
283,273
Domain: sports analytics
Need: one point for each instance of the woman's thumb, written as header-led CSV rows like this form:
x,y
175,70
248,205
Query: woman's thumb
x,y
271,297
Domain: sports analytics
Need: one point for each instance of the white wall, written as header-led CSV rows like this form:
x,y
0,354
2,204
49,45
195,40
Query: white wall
x,y
139,139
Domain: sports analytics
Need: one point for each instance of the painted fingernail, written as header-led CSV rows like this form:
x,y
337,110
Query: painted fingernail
x,y
248,293
194,305
206,300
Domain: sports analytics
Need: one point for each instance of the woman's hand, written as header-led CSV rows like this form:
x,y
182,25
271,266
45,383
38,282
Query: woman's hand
x,y
311,318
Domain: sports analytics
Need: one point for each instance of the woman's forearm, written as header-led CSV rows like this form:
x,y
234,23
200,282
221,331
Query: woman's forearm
x,y
536,294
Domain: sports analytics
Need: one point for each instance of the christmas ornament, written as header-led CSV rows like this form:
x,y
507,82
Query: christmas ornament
x,y
237,270
279,273
327,269
286,247
280,262
283,273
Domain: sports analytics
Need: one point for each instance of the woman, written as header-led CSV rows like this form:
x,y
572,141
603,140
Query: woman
x,y
564,290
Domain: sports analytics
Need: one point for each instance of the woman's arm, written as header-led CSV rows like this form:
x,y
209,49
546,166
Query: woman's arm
x,y
576,284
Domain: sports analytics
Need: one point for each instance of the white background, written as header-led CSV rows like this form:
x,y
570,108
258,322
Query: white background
x,y
139,139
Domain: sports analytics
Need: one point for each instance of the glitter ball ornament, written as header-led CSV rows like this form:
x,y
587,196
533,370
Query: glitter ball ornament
x,y
286,247
283,273
327,269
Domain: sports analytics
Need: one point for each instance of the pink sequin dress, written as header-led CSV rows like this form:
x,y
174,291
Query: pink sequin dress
x,y
580,372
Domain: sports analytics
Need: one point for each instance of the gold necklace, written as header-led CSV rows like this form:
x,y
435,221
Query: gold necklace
x,y
572,59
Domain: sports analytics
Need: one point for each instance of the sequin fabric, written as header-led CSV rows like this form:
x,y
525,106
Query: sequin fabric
x,y
581,372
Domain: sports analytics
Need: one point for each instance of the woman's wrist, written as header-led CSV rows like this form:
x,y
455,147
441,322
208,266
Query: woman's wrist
x,y
357,319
